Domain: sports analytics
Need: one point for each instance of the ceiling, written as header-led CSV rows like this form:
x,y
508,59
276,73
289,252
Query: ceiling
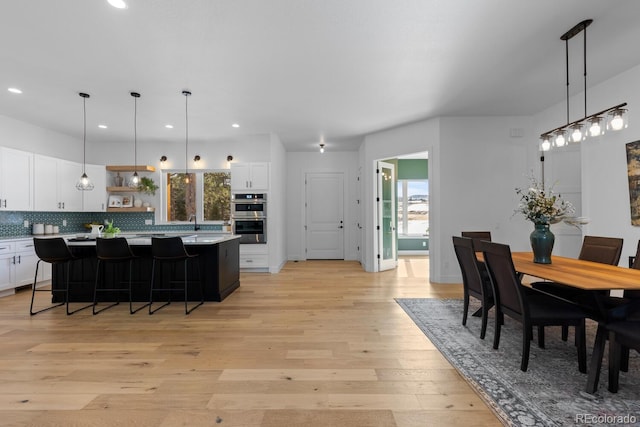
x,y
306,70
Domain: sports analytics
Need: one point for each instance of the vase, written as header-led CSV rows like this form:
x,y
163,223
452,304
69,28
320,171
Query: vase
x,y
542,240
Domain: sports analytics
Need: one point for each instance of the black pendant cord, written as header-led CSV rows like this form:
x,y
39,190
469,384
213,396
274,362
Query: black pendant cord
x,y
135,134
566,44
585,71
186,136
84,134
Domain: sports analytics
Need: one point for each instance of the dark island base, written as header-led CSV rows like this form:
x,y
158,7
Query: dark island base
x,y
218,264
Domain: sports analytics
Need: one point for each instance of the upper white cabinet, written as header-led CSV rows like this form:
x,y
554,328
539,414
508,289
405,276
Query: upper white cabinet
x,y
55,184
16,182
249,176
96,199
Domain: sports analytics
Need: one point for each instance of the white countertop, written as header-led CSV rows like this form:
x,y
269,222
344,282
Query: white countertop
x,y
144,238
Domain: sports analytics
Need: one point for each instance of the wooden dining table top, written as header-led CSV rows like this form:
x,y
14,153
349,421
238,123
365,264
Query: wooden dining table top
x,y
578,273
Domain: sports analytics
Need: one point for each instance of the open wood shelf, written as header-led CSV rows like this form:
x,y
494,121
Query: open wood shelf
x,y
132,209
122,189
130,168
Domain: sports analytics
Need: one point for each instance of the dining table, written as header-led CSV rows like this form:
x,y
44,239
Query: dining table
x,y
588,276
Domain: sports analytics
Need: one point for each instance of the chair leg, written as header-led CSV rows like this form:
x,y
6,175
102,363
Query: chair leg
x,y
33,294
526,345
67,294
485,318
153,274
186,282
541,336
499,322
596,359
614,363
624,359
95,292
581,344
465,308
565,333
131,310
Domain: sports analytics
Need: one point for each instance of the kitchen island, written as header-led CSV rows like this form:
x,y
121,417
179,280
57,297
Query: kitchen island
x,y
218,262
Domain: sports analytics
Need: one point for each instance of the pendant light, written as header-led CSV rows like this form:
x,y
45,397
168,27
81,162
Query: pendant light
x,y
84,183
186,94
135,179
591,126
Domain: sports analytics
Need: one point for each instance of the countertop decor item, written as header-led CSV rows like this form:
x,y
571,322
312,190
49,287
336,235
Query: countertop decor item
x,y
543,208
147,186
109,230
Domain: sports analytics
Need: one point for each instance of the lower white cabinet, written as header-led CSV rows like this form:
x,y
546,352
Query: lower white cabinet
x,y
254,256
18,261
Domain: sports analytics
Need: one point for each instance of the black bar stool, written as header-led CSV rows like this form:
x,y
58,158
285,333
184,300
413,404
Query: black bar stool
x,y
171,250
55,252
114,251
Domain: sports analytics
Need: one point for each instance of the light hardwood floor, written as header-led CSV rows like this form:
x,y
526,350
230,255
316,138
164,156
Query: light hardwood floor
x,y
322,343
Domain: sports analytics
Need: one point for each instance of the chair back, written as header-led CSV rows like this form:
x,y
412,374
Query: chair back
x,y
636,265
168,248
113,249
466,255
52,250
605,250
477,236
507,290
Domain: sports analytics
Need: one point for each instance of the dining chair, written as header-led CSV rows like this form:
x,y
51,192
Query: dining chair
x,y
474,283
171,250
529,308
113,252
605,250
55,252
477,236
622,335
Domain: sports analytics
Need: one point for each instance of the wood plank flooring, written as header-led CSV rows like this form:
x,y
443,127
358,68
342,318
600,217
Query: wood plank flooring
x,y
322,343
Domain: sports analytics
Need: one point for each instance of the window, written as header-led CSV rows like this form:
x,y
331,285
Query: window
x,y
206,194
413,207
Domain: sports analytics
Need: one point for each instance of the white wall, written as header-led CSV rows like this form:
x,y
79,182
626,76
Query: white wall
x,y
297,165
276,213
474,167
26,137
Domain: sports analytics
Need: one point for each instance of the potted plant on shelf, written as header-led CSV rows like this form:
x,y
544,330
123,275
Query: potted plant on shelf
x,y
147,186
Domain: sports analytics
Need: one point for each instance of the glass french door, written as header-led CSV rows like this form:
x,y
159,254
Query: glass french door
x,y
387,217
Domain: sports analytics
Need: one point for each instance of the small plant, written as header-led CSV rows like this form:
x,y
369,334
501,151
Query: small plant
x,y
110,229
147,186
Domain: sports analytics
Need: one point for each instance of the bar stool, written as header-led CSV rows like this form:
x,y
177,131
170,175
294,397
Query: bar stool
x,y
114,251
171,250
55,252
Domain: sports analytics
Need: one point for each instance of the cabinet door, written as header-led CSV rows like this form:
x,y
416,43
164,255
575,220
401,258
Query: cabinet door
x,y
16,182
25,263
46,183
96,199
6,265
259,176
69,196
240,176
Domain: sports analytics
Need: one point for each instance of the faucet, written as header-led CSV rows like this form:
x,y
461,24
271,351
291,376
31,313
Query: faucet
x,y
193,217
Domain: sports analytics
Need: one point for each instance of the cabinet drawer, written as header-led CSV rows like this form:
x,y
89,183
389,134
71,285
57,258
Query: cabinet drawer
x,y
24,246
7,248
254,261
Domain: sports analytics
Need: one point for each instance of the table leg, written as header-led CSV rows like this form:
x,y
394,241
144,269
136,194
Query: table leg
x,y
596,359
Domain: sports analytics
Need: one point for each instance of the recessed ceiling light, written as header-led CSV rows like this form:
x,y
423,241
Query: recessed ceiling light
x,y
14,90
102,126
118,4
169,126
235,125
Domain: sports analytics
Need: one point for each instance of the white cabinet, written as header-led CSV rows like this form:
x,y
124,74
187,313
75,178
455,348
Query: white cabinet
x,y
6,265
16,182
249,176
18,261
55,184
254,256
96,199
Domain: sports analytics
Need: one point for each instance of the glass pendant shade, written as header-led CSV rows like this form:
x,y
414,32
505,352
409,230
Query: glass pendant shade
x,y
84,183
595,129
560,139
545,144
135,179
576,132
617,119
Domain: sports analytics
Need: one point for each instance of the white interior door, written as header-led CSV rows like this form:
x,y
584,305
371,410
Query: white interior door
x,y
324,202
387,216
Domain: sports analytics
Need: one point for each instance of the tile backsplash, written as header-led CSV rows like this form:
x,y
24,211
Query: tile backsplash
x,y
12,222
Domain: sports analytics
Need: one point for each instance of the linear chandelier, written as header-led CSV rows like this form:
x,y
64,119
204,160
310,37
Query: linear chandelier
x,y
592,126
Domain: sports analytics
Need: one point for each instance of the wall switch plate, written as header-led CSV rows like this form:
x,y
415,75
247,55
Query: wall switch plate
x,y
148,222
26,223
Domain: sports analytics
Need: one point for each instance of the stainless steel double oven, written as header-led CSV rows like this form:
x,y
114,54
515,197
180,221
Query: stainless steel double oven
x,y
249,217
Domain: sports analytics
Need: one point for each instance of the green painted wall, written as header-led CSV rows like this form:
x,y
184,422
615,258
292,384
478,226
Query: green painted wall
x,y
413,169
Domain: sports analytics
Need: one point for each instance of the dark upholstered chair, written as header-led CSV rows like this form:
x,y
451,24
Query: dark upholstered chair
x,y
605,250
622,335
475,284
113,252
529,308
55,252
477,236
171,250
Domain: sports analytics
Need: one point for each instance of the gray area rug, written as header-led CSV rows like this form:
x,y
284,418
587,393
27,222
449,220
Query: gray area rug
x,y
550,393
